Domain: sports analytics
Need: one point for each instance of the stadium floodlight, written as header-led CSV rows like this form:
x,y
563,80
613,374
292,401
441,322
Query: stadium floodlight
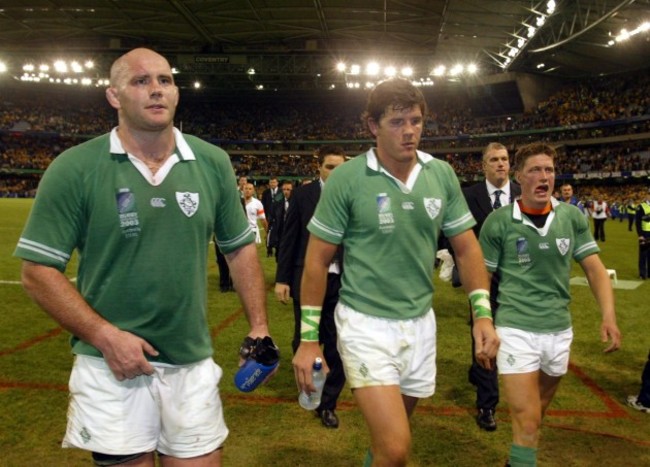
x,y
390,71
89,64
76,68
44,67
28,67
472,68
439,70
407,71
60,66
86,81
456,70
341,67
3,67
370,85
197,85
550,7
541,19
250,71
372,69
355,69
175,71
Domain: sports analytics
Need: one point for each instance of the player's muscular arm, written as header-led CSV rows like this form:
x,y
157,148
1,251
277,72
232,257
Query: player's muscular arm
x,y
52,291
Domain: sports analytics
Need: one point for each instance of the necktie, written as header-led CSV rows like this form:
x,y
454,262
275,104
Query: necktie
x,y
497,199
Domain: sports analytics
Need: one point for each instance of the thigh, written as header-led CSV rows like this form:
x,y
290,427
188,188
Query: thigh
x,y
519,351
110,416
385,414
556,349
192,414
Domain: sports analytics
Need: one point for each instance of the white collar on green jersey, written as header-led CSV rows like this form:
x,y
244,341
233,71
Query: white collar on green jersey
x,y
373,164
182,147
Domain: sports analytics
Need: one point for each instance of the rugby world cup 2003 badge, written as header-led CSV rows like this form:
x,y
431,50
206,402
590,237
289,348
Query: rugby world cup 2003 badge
x,y
127,213
523,254
385,213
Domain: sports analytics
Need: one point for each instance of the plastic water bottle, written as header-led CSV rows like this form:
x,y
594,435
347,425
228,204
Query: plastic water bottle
x,y
312,401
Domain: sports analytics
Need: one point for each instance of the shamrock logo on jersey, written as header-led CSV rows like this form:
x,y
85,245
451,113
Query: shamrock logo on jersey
x,y
188,202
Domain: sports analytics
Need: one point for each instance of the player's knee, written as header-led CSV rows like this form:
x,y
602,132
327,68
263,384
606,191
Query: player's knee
x,y
394,453
106,460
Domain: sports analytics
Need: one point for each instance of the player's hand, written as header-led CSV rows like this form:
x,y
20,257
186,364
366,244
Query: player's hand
x,y
282,292
124,353
486,342
303,365
610,332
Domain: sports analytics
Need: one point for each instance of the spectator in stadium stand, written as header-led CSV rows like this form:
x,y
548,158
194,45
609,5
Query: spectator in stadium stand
x,y
140,204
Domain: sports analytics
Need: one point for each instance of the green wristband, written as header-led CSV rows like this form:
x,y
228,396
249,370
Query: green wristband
x,y
480,302
309,323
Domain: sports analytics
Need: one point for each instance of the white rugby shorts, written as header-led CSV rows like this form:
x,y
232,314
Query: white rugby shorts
x,y
381,352
525,352
176,411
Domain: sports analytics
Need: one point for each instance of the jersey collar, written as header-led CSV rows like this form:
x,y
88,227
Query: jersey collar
x,y
373,164
517,215
183,149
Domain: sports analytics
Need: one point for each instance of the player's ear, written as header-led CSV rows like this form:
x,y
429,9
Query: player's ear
x,y
373,126
112,97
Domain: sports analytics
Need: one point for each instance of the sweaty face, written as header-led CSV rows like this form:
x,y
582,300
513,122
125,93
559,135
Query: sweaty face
x,y
398,134
144,92
537,179
496,165
330,162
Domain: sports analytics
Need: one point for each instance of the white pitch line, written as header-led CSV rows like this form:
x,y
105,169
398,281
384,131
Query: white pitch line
x,y
74,279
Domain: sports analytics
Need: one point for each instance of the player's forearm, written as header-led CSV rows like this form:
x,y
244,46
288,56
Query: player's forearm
x,y
601,288
246,272
53,292
471,267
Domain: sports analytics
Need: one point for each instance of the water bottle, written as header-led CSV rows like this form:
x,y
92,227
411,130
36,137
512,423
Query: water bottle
x,y
312,401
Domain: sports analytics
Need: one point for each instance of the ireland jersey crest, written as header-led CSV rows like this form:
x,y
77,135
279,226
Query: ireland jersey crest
x,y
188,202
563,245
432,205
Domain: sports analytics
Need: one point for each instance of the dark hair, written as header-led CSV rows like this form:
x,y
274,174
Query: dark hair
x,y
328,150
531,150
394,93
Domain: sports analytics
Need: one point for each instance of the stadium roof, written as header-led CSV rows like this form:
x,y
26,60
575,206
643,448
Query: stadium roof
x,y
296,43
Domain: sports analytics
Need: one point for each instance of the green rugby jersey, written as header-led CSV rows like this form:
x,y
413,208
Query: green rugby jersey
x,y
534,264
389,231
142,248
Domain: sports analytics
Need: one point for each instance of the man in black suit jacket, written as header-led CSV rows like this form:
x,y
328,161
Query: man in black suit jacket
x,y
278,216
482,198
291,257
270,197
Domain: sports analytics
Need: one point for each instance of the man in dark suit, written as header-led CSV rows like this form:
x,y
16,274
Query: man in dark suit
x,y
482,198
291,257
278,216
270,197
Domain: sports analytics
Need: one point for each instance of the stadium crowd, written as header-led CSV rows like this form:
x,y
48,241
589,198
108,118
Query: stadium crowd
x,y
277,137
